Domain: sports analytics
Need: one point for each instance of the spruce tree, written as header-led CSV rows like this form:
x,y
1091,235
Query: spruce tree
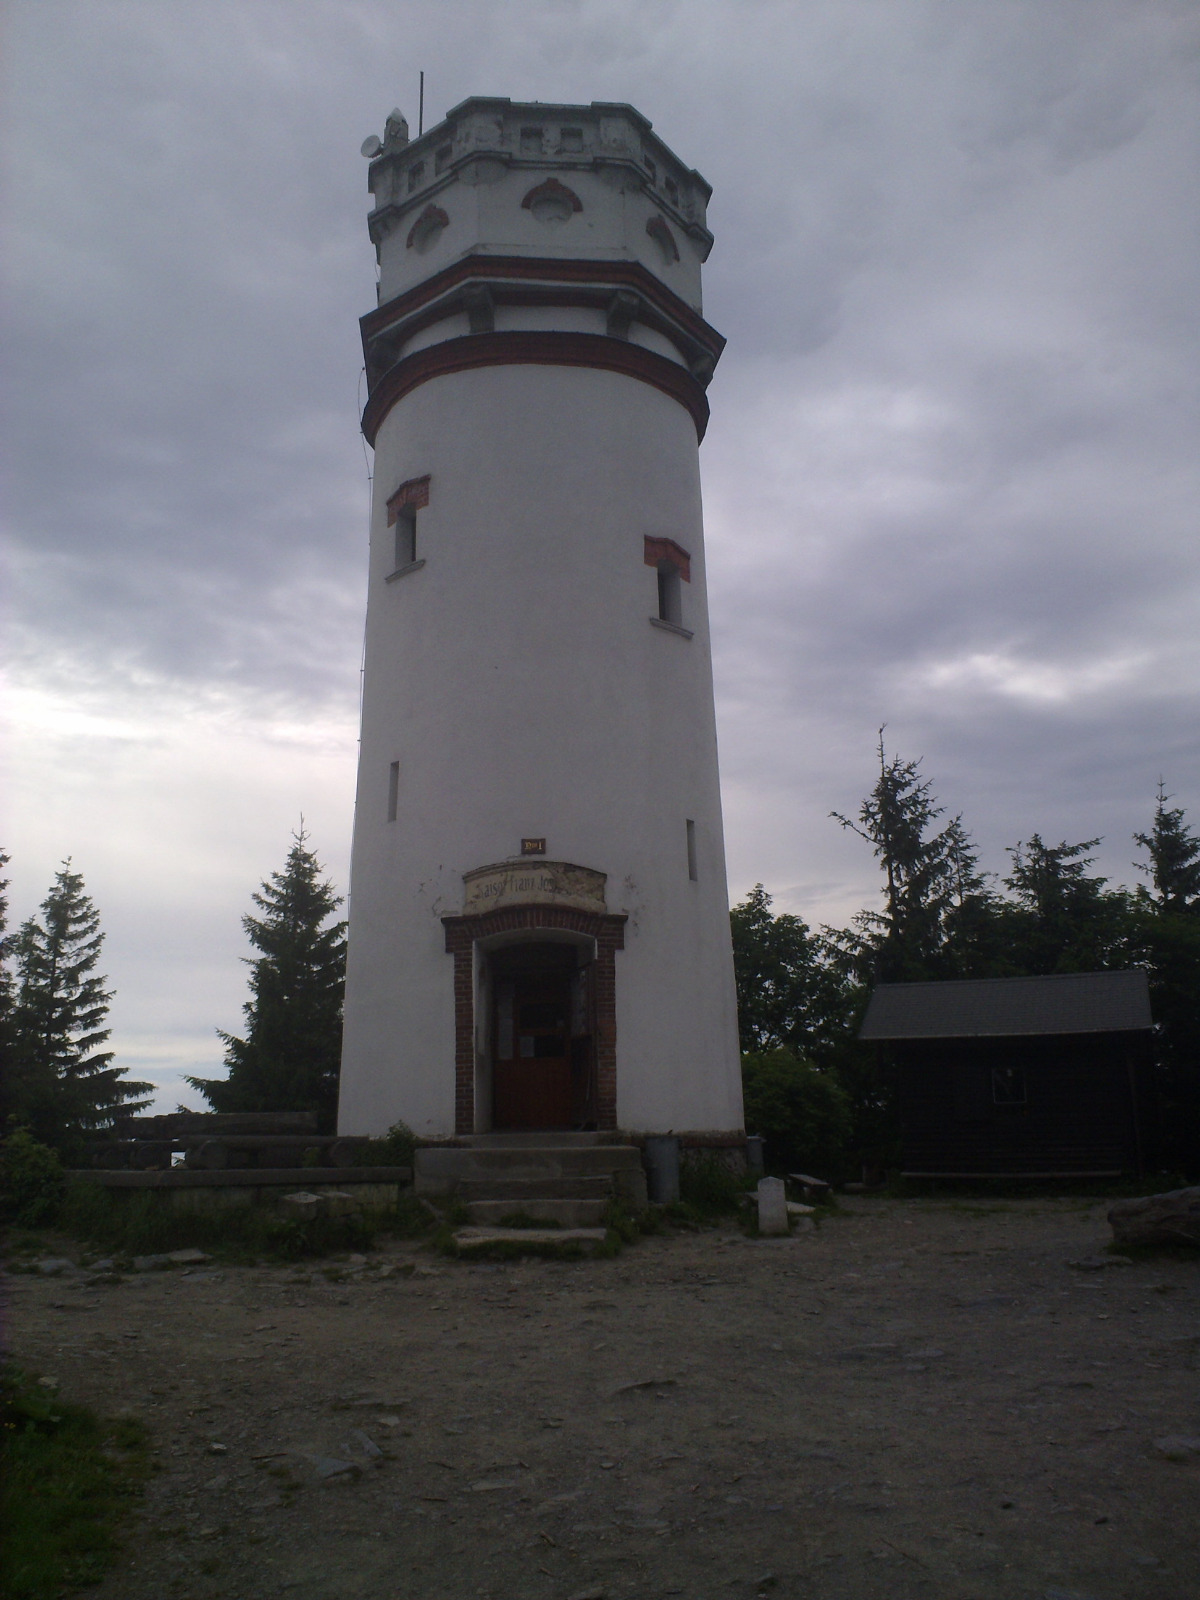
x,y
1062,919
8,1061
1174,852
1168,942
938,911
289,1057
63,1086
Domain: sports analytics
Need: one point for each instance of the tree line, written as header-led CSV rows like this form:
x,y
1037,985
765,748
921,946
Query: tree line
x,y
801,994
821,1099
58,1082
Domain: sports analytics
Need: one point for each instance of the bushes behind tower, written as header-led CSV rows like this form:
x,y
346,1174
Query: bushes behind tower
x,y
803,1113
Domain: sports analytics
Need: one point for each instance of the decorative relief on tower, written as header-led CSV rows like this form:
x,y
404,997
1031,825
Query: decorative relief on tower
x,y
548,883
663,238
552,202
427,229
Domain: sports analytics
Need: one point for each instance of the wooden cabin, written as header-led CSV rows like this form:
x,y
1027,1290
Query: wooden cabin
x,y
1017,1077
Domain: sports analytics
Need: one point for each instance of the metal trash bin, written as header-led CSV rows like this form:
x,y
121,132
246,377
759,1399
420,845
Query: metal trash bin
x,y
755,1160
661,1158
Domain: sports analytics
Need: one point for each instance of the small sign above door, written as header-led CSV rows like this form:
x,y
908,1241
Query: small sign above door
x,y
533,847
546,883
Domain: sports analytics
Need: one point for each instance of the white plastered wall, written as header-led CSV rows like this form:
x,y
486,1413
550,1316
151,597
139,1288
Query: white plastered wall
x,y
517,679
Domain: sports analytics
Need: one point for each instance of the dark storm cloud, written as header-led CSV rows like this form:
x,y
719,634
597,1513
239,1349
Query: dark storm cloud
x,y
950,479
183,364
970,511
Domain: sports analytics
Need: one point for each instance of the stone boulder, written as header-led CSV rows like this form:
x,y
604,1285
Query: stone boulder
x,y
1171,1218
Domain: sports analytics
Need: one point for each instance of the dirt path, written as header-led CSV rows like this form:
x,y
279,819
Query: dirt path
x,y
921,1399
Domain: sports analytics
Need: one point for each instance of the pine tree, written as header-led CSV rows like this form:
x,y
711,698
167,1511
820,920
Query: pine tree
x,y
1174,851
1063,920
8,1062
1168,929
289,1058
63,1086
936,901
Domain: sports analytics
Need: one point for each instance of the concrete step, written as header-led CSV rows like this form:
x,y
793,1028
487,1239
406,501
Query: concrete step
x,y
567,1213
514,1241
599,1187
444,1169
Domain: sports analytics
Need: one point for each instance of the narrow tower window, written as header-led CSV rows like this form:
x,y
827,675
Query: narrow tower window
x,y
673,567
406,536
693,874
668,593
394,792
402,509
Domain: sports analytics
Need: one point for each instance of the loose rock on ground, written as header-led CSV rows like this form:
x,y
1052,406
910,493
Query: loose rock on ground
x,y
915,1399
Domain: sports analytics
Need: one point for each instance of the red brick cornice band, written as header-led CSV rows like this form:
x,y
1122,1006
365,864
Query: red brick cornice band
x,y
606,925
499,269
542,349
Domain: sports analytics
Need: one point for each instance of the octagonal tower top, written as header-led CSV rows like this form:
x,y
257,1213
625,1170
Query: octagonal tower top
x,y
504,178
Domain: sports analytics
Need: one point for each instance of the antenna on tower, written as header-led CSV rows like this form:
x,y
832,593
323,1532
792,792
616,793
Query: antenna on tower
x,y
421,108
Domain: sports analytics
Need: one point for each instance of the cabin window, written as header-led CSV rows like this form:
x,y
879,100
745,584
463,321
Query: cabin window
x,y
1008,1086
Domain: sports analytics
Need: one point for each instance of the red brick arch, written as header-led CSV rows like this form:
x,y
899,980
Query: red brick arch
x,y
608,930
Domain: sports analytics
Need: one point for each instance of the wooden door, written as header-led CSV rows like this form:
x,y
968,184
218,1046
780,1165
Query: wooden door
x,y
532,1049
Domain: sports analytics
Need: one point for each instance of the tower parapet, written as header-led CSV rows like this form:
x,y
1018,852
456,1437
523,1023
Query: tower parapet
x,y
629,197
567,225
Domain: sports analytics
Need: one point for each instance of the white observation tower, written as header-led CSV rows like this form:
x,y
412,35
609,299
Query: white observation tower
x,y
539,930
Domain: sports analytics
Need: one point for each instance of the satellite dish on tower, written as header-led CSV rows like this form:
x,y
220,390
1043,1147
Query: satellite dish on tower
x,y
371,146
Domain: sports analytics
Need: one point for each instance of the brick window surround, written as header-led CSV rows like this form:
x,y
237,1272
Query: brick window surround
x,y
660,550
411,495
608,930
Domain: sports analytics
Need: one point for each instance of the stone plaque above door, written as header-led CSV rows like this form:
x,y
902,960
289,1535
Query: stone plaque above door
x,y
546,883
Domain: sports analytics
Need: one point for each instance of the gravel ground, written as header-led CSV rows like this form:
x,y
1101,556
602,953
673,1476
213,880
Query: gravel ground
x,y
919,1399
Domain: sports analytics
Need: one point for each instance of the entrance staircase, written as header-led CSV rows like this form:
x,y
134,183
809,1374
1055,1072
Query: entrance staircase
x,y
566,1179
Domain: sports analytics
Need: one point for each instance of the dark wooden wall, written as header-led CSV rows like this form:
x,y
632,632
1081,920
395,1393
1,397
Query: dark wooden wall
x,y
1079,1115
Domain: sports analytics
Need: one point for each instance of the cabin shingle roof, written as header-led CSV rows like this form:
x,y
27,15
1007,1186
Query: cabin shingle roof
x,y
1073,1002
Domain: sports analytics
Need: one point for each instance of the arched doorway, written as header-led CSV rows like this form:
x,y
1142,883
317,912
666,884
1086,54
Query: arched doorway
x,y
535,1018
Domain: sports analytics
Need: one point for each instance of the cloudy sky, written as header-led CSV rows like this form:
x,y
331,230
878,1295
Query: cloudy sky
x,y
951,477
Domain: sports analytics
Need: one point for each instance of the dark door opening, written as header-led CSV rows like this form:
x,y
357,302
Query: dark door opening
x,y
541,1038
